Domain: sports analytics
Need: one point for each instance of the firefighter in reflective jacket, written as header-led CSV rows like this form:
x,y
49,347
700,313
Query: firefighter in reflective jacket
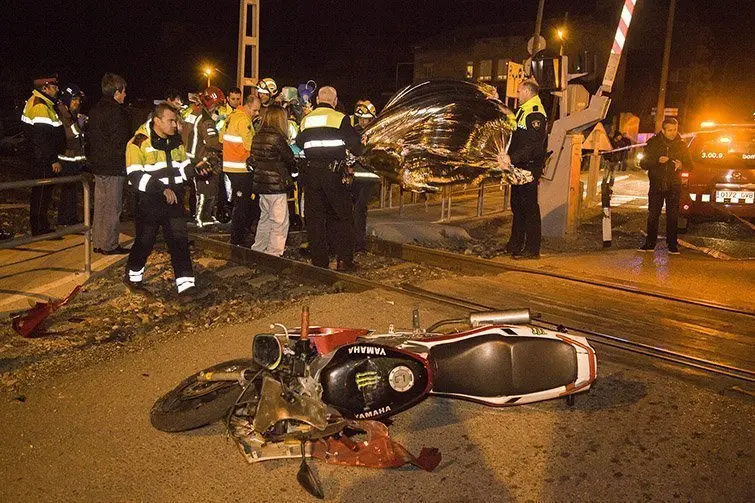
x,y
237,144
527,151
44,130
324,136
158,168
203,149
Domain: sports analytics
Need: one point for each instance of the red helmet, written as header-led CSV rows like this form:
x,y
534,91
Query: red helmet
x,y
212,97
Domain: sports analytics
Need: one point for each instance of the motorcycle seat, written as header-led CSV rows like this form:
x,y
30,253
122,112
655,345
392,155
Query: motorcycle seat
x,y
494,365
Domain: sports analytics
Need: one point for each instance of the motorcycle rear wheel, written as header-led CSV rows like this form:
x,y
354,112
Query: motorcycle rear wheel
x,y
193,404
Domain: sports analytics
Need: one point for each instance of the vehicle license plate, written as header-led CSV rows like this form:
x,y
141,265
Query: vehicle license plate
x,y
742,196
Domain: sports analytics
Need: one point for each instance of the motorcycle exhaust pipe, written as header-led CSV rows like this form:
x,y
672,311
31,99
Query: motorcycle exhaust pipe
x,y
505,317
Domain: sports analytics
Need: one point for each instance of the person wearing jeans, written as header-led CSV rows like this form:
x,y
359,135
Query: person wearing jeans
x,y
666,156
273,161
109,132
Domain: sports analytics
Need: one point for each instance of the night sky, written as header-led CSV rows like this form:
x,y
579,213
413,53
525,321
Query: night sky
x,y
354,45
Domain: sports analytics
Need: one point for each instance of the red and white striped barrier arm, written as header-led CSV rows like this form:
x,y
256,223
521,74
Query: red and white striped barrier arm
x,y
618,45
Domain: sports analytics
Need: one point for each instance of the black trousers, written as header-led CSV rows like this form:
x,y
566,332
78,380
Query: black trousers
x,y
207,194
327,208
526,227
245,209
39,202
150,217
656,199
225,199
68,206
361,192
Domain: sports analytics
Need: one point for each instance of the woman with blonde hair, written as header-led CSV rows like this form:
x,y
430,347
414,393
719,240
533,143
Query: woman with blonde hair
x,y
273,161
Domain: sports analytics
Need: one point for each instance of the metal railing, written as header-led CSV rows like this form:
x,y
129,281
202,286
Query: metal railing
x,y
86,227
447,194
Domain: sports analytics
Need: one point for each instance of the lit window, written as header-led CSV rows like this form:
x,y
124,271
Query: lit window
x,y
501,69
470,70
486,70
428,70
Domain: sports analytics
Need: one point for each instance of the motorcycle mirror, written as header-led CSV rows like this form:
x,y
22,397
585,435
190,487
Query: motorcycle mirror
x,y
307,478
267,351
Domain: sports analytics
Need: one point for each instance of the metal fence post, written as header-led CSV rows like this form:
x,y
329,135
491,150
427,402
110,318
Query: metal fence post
x,y
88,232
442,204
480,199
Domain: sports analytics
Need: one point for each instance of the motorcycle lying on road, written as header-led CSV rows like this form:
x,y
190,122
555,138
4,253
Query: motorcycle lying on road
x,y
309,392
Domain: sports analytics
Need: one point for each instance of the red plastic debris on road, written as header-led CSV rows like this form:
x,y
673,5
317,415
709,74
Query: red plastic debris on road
x,y
25,324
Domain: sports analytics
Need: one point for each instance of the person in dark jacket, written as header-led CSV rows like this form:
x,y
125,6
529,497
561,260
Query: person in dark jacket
x,y
527,151
666,156
73,158
325,136
109,132
273,161
45,132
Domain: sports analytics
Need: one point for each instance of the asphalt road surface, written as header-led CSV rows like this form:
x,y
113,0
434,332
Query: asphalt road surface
x,y
639,435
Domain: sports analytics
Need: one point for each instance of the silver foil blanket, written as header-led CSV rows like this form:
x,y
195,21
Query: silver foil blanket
x,y
442,132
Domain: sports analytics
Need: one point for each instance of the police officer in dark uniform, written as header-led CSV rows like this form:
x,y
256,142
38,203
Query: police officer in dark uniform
x,y
527,152
324,136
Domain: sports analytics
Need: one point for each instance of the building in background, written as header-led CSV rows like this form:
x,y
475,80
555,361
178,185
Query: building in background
x,y
481,53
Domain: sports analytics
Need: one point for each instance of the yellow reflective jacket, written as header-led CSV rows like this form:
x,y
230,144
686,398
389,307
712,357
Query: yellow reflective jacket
x,y
45,129
147,166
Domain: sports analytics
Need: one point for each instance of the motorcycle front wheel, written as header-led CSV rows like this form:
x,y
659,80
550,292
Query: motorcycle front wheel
x,y
195,403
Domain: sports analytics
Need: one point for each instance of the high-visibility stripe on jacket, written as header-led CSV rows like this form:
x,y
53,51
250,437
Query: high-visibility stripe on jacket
x,y
237,141
45,129
223,112
39,109
200,135
74,151
147,167
326,134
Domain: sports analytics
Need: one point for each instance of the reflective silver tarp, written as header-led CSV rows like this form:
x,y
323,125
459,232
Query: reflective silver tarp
x,y
442,132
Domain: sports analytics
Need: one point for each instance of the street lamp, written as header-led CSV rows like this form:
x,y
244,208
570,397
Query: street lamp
x,y
208,73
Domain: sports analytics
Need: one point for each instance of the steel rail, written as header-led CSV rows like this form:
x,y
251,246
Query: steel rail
x,y
476,265
351,282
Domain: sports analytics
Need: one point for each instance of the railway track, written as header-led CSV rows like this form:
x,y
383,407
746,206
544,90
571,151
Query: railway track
x,y
351,282
475,265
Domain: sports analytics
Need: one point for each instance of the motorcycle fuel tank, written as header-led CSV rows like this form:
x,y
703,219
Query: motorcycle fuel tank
x,y
372,381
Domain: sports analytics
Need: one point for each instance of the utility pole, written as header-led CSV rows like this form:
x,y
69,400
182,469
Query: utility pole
x,y
535,41
247,62
538,26
660,109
